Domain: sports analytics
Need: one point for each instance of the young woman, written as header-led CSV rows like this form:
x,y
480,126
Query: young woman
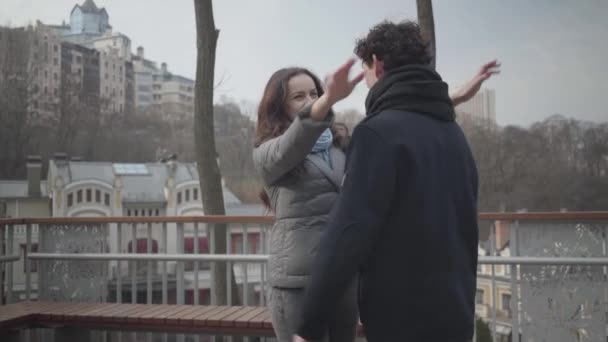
x,y
302,167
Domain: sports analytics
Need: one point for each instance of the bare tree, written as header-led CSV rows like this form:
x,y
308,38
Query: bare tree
x,y
204,135
427,25
18,114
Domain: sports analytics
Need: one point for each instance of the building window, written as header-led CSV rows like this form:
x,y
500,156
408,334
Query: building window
x,y
89,195
188,195
129,212
55,77
106,199
506,302
46,90
46,74
55,48
135,212
79,196
78,59
56,92
70,200
195,194
149,212
55,61
203,248
157,212
33,263
179,198
479,296
97,196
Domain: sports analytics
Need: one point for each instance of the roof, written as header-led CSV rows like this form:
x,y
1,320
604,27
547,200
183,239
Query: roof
x,y
89,6
138,186
18,189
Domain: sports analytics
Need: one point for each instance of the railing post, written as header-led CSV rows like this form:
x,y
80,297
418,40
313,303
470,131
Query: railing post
x,y
245,285
515,297
134,264
164,264
196,264
211,240
28,273
180,264
164,270
149,268
9,267
494,301
119,264
3,267
229,265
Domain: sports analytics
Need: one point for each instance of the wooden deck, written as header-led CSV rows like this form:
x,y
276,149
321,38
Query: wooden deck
x,y
212,320
219,320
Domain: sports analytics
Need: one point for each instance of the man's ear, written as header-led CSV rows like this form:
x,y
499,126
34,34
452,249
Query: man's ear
x,y
378,66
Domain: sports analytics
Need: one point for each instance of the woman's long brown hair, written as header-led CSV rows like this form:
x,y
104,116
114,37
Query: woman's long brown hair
x,y
272,118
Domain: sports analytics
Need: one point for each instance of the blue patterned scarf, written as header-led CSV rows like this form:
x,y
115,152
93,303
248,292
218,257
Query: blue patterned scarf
x,y
323,145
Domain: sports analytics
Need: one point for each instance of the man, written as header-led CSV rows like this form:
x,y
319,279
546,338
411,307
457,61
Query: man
x,y
406,219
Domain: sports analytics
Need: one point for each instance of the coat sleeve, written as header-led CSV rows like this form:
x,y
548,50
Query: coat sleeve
x,y
276,157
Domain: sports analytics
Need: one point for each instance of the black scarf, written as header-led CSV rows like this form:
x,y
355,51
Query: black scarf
x,y
411,88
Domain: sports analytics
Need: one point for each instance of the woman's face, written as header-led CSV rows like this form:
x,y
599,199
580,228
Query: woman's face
x,y
301,91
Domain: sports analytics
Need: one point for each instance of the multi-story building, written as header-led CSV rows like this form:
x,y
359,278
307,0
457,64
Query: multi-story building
x,y
481,108
45,69
87,22
80,74
173,94
144,70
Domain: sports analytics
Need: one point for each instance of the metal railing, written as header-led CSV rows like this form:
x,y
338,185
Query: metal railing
x,y
567,245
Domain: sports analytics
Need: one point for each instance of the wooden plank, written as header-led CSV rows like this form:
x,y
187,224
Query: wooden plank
x,y
243,321
258,321
59,315
50,310
109,314
230,320
122,315
151,317
188,319
175,318
133,315
216,320
201,320
167,314
148,310
268,320
94,312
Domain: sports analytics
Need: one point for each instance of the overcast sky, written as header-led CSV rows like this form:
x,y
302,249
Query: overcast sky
x,y
554,52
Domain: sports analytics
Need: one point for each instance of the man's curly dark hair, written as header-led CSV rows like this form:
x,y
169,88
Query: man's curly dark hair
x,y
395,44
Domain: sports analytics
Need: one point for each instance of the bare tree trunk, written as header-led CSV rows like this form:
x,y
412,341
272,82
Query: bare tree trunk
x,y
427,25
204,135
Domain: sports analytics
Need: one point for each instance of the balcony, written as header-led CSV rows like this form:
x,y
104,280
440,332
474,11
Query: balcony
x,y
542,274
